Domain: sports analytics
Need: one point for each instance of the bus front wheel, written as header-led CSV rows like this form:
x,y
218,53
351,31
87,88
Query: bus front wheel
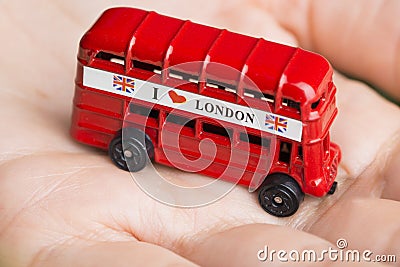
x,y
280,195
130,154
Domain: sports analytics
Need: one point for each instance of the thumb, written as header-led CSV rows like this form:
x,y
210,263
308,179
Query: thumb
x,y
360,38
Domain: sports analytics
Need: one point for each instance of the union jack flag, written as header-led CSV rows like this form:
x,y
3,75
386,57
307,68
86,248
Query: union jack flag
x,y
123,84
276,123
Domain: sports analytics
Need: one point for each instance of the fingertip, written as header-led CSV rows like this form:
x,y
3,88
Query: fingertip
x,y
251,245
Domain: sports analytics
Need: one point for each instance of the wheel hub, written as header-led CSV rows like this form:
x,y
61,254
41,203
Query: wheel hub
x,y
128,154
278,200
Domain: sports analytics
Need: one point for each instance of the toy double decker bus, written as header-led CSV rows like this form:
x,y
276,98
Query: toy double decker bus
x,y
272,104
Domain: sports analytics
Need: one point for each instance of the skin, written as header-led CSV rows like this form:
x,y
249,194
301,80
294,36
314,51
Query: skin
x,y
65,204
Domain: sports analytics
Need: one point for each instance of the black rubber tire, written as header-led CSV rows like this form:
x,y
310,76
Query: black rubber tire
x,y
333,188
283,188
137,144
116,153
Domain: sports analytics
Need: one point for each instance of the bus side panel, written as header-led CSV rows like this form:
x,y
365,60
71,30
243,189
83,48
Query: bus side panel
x,y
189,146
215,169
316,183
89,136
151,132
96,117
99,102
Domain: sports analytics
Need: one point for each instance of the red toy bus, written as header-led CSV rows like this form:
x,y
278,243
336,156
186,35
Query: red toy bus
x,y
289,90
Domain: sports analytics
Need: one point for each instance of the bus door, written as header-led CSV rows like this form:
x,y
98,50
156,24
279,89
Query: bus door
x,y
290,159
284,155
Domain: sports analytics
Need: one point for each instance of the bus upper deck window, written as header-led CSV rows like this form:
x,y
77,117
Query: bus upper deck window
x,y
259,95
111,58
253,93
146,66
183,76
315,104
319,102
222,86
268,98
291,104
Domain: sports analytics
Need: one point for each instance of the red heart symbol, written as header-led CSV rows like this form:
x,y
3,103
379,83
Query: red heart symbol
x,y
177,99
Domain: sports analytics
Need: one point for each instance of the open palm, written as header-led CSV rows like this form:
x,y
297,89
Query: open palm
x,y
64,204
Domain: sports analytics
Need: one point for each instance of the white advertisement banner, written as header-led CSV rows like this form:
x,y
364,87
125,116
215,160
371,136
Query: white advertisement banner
x,y
194,103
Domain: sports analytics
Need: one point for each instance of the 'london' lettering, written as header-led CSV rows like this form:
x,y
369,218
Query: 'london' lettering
x,y
225,111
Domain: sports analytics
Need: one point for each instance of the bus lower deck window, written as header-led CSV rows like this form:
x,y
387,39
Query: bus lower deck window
x,y
144,111
218,130
255,139
180,120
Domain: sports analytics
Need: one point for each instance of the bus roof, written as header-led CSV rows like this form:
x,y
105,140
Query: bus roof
x,y
165,41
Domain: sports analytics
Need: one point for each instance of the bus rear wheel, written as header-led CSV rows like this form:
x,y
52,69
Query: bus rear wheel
x,y
280,195
130,154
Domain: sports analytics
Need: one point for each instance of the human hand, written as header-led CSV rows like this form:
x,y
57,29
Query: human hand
x,y
64,204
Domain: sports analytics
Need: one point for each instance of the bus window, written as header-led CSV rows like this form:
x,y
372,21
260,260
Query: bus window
x,y
217,130
194,80
146,66
111,58
252,93
315,104
183,76
268,98
291,104
213,85
318,103
220,85
176,75
255,139
285,152
300,152
144,111
180,120
259,95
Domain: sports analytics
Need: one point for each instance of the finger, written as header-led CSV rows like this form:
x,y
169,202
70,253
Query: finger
x,y
260,245
359,37
84,253
366,224
360,217
392,181
366,126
